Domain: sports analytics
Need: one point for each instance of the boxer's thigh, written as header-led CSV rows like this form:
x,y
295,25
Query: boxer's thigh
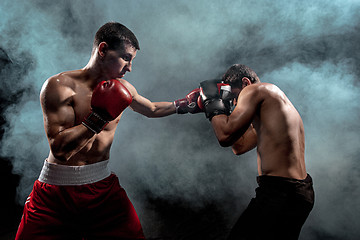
x,y
41,221
113,216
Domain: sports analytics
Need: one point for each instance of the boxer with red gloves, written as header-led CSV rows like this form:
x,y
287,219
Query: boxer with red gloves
x,y
76,195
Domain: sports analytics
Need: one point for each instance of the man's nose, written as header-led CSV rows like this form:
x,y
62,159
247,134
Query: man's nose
x,y
128,67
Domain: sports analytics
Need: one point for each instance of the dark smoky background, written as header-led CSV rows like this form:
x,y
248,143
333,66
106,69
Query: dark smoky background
x,y
181,182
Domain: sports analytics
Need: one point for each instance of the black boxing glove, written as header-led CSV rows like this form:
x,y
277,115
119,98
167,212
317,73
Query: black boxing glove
x,y
215,98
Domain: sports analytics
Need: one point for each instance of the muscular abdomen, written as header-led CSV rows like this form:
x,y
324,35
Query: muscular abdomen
x,y
96,150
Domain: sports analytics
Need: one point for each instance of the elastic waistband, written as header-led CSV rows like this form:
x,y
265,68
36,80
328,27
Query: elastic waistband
x,y
266,179
56,174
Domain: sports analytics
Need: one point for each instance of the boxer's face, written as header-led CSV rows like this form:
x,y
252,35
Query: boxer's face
x,y
235,88
118,61
235,91
238,86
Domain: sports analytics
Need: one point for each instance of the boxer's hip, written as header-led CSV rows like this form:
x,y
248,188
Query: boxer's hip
x,y
286,187
56,174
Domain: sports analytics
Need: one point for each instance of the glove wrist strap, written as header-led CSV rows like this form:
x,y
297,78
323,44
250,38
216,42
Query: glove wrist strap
x,y
181,106
94,122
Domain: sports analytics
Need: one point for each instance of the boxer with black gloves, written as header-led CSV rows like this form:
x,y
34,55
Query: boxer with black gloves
x,y
264,118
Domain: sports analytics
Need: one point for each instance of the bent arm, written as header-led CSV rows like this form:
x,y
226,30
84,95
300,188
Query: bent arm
x,y
147,108
228,129
64,138
246,142
68,142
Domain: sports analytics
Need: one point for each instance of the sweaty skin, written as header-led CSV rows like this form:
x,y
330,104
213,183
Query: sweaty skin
x,y
264,117
65,99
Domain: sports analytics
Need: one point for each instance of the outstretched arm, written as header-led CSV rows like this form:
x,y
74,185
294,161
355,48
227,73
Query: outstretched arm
x,y
147,108
150,109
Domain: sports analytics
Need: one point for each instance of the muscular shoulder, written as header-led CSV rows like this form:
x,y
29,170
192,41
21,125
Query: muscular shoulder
x,y
272,92
262,90
57,89
254,92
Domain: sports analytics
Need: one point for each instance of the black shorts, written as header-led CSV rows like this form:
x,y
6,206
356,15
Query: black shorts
x,y
278,211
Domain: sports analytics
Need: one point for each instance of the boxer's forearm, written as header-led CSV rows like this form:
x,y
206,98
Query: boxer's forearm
x,y
222,130
162,109
154,109
226,131
70,141
246,142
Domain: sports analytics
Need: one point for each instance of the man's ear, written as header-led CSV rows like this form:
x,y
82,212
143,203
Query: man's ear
x,y
102,49
245,82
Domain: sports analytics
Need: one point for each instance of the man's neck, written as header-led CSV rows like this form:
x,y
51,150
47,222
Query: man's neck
x,y
93,73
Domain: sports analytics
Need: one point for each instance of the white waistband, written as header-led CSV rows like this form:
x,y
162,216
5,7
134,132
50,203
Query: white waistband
x,y
56,174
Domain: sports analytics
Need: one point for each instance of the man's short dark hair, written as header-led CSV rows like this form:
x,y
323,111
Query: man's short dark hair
x,y
115,34
236,72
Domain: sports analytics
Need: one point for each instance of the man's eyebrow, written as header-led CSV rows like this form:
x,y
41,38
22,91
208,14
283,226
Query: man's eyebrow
x,y
129,55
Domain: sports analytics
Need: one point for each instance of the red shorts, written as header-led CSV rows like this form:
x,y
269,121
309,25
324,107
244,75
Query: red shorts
x,y
100,210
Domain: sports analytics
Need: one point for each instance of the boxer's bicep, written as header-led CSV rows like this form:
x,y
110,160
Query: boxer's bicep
x,y
57,121
57,108
139,103
142,105
148,108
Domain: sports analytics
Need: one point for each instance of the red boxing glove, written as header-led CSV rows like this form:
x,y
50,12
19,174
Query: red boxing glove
x,y
108,100
189,104
200,103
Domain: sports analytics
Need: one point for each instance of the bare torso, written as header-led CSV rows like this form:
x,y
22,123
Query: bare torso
x,y
65,99
280,135
265,118
74,99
